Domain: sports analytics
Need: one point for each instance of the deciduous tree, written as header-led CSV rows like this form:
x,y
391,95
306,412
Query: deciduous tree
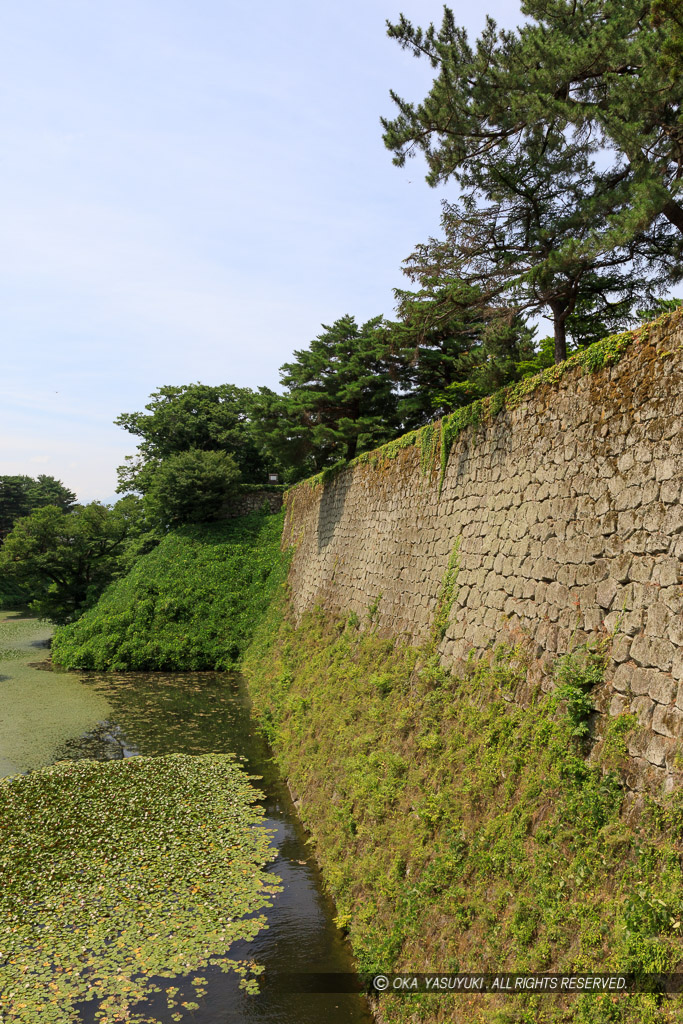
x,y
194,486
20,495
64,560
194,417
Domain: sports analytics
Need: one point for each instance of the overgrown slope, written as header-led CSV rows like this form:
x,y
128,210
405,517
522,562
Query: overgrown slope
x,y
459,831
191,604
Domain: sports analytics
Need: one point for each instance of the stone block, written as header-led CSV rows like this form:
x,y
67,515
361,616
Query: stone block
x,y
665,469
545,569
675,630
667,721
633,497
628,522
638,743
657,543
673,520
672,758
641,569
657,750
666,572
652,652
592,619
632,622
626,461
652,517
677,666
619,567
616,485
661,687
643,708
566,575
623,677
672,491
657,620
621,648
617,705
606,592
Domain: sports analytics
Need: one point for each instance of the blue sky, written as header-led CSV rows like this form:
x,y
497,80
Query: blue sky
x,y
187,192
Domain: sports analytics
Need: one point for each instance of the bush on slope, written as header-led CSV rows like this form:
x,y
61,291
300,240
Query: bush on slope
x,y
190,604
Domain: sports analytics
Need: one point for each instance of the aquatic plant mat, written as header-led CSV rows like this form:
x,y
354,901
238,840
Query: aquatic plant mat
x,y
112,874
460,831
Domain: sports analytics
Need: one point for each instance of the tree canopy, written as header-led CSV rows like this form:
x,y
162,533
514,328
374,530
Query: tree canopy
x,y
450,346
610,69
64,560
530,242
194,486
21,495
195,417
340,397
566,139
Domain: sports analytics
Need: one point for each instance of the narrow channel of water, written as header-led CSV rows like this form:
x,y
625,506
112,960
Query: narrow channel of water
x,y
48,716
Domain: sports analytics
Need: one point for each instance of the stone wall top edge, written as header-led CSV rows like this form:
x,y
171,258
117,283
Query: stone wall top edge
x,y
532,403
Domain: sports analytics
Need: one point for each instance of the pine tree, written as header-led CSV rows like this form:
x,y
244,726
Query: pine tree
x,y
605,71
525,234
450,347
339,400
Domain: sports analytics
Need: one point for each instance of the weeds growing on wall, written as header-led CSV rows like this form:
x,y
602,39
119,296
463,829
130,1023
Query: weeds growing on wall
x,y
459,831
190,604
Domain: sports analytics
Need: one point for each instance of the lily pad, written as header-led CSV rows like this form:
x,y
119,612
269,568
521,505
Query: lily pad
x,y
113,874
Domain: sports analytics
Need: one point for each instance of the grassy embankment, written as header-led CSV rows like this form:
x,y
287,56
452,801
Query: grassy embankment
x,y
459,831
189,605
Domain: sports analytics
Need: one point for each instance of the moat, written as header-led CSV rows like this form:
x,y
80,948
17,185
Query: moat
x,y
48,716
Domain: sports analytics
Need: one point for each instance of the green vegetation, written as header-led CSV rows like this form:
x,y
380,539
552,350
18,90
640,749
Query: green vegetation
x,y
191,487
450,346
57,705
21,495
522,121
115,873
191,603
192,417
460,831
435,440
339,398
61,561
526,244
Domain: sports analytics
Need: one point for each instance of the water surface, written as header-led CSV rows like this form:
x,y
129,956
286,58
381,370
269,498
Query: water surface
x,y
48,716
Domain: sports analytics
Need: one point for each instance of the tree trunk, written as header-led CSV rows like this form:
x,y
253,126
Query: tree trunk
x,y
560,333
673,213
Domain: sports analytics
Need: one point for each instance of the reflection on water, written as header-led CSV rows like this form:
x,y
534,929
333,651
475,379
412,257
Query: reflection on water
x,y
126,715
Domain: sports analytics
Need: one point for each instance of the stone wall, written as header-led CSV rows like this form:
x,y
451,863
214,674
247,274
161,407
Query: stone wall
x,y
568,513
253,501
